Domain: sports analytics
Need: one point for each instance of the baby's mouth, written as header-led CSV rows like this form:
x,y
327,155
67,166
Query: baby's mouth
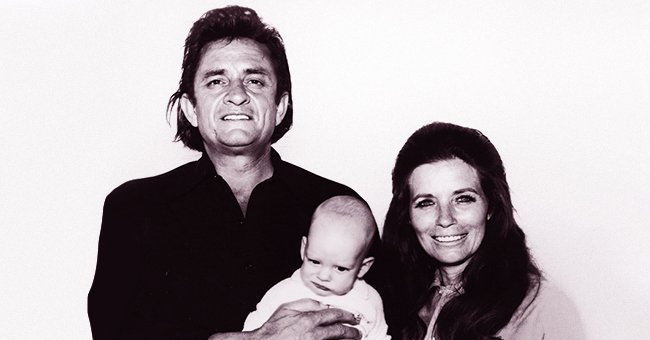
x,y
321,287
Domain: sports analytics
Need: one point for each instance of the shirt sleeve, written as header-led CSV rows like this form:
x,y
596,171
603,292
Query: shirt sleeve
x,y
551,315
560,317
273,298
379,328
118,264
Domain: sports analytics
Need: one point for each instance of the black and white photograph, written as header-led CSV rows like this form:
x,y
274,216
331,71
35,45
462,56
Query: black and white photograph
x,y
325,169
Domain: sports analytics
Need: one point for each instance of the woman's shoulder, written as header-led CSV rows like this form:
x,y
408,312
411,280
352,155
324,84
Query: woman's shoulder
x,y
549,300
541,294
545,313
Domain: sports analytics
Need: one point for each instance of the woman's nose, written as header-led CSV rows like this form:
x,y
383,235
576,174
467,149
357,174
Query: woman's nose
x,y
446,216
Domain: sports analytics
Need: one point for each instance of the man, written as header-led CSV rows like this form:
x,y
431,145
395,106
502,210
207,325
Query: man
x,y
188,253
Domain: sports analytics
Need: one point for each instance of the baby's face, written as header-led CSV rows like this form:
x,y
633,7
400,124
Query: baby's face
x,y
331,257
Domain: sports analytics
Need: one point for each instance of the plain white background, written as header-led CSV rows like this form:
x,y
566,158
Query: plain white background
x,y
562,88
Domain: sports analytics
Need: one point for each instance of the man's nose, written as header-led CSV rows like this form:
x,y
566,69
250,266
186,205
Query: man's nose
x,y
237,94
446,216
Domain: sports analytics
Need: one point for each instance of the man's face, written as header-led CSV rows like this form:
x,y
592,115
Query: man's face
x,y
234,88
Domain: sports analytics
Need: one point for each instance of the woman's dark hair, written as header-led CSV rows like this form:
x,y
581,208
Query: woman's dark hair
x,y
499,274
229,23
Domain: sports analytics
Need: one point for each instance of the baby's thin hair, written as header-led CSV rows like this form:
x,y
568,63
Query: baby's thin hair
x,y
351,206
347,206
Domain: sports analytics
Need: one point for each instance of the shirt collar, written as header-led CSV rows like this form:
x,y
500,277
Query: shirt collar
x,y
437,283
205,168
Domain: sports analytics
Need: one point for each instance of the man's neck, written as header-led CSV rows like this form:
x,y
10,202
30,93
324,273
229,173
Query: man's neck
x,y
243,172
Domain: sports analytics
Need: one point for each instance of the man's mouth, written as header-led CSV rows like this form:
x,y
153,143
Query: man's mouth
x,y
449,238
236,116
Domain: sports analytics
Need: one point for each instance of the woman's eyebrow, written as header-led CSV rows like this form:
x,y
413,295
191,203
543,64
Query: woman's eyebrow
x,y
460,191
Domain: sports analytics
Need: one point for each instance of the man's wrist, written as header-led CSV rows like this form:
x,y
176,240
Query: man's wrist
x,y
252,335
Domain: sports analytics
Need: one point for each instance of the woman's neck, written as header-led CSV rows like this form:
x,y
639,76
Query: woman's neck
x,y
451,275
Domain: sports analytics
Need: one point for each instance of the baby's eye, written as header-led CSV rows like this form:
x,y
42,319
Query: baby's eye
x,y
312,261
342,269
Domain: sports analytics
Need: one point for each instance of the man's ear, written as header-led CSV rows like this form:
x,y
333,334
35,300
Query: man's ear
x,y
283,105
303,245
188,110
365,266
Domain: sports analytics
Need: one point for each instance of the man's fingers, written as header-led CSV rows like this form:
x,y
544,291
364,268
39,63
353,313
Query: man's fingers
x,y
322,314
336,331
303,305
313,320
334,315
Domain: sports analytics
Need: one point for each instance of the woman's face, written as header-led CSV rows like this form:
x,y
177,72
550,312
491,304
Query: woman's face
x,y
448,210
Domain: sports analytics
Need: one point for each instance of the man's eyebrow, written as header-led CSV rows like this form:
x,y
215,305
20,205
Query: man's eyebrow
x,y
212,73
257,70
252,70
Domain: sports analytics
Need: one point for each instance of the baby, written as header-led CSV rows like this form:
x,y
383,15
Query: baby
x,y
334,260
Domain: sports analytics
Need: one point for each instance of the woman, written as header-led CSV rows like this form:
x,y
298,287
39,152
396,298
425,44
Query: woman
x,y
465,270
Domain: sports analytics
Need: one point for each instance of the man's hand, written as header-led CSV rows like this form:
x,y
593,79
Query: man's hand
x,y
303,319
309,319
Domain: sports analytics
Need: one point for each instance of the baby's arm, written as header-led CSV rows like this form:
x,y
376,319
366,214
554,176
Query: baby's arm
x,y
266,307
378,329
256,318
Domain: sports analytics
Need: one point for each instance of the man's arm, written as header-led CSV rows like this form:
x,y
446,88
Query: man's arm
x,y
118,263
302,319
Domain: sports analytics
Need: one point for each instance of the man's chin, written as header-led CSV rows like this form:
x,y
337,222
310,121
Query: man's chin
x,y
243,149
237,142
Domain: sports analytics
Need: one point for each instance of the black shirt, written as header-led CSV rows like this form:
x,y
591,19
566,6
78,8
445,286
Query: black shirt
x,y
178,260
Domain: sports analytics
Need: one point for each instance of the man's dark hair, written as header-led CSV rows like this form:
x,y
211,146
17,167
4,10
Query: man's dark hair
x,y
229,23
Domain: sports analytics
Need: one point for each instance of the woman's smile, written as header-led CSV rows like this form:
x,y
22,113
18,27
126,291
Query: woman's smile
x,y
449,238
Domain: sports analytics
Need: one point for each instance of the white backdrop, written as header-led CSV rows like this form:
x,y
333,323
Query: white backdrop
x,y
561,87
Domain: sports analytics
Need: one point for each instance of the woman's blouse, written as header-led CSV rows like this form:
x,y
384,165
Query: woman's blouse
x,y
545,313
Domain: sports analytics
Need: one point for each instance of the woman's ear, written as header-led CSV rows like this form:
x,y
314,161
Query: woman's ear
x,y
365,266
